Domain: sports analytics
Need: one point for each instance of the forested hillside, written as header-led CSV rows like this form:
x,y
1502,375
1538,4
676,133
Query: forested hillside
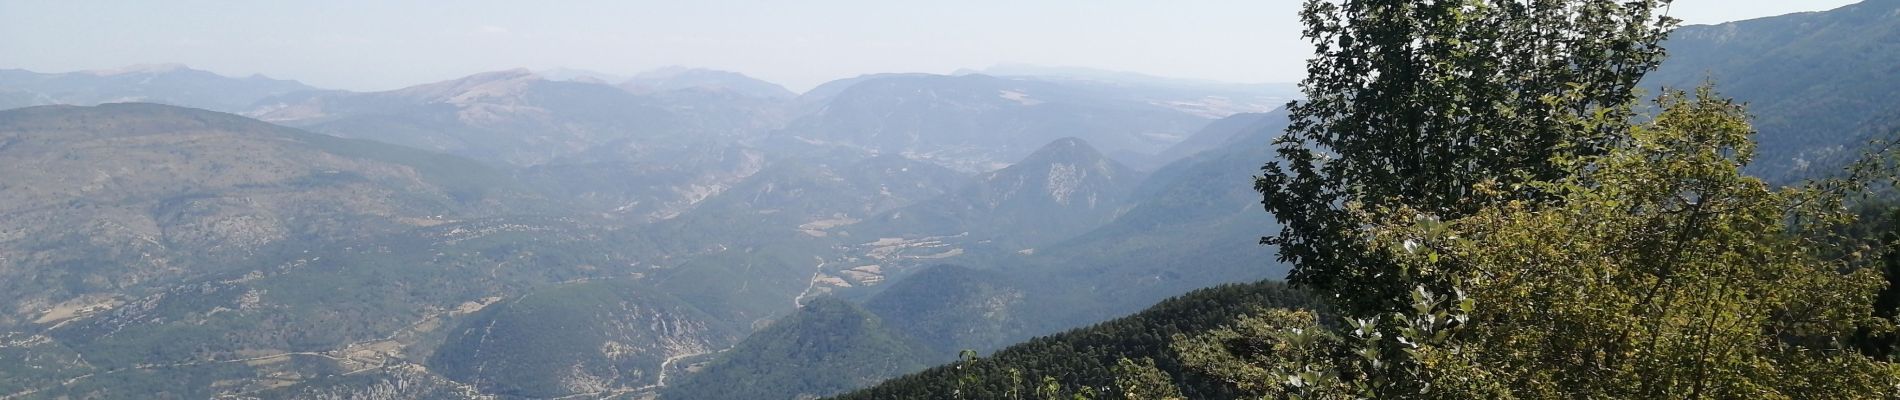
x,y
1088,357
846,346
1818,85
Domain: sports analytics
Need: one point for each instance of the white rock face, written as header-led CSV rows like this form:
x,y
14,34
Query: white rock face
x,y
1064,179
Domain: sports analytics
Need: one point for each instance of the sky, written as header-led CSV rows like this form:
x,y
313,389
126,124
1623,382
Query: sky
x,y
368,45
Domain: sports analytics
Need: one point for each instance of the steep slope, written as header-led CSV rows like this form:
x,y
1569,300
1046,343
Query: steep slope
x,y
815,197
948,308
1194,224
645,185
976,122
591,337
1086,357
1819,84
847,347
125,195
1216,134
1062,189
815,98
165,84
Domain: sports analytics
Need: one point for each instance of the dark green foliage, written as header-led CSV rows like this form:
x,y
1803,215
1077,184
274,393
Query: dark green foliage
x,y
1877,231
1088,357
1412,103
1887,305
1141,380
742,285
947,308
828,346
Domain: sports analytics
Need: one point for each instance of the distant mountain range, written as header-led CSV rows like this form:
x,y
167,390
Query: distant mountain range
x,y
680,78
690,233
163,83
1202,97
978,123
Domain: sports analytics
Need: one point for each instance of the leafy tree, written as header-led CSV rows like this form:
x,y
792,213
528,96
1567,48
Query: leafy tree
x,y
1413,102
1875,236
1141,380
1657,270
1887,305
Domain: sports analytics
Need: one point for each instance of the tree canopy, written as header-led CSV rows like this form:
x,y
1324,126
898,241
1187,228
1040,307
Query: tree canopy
x,y
1413,102
1471,184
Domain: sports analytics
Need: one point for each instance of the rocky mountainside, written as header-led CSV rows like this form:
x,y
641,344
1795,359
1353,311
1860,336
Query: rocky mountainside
x,y
592,337
121,196
217,255
1819,84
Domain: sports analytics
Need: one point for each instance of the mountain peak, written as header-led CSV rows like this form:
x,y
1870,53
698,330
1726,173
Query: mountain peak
x,y
1063,169
506,74
1070,150
578,75
470,89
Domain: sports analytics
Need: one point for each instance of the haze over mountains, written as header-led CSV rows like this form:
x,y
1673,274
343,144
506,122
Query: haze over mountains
x,y
169,232
435,232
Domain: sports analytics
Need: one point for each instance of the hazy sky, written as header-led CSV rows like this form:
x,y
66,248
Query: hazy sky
x,y
381,44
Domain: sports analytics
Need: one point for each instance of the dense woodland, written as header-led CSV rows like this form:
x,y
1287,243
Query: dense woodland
x,y
1089,357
